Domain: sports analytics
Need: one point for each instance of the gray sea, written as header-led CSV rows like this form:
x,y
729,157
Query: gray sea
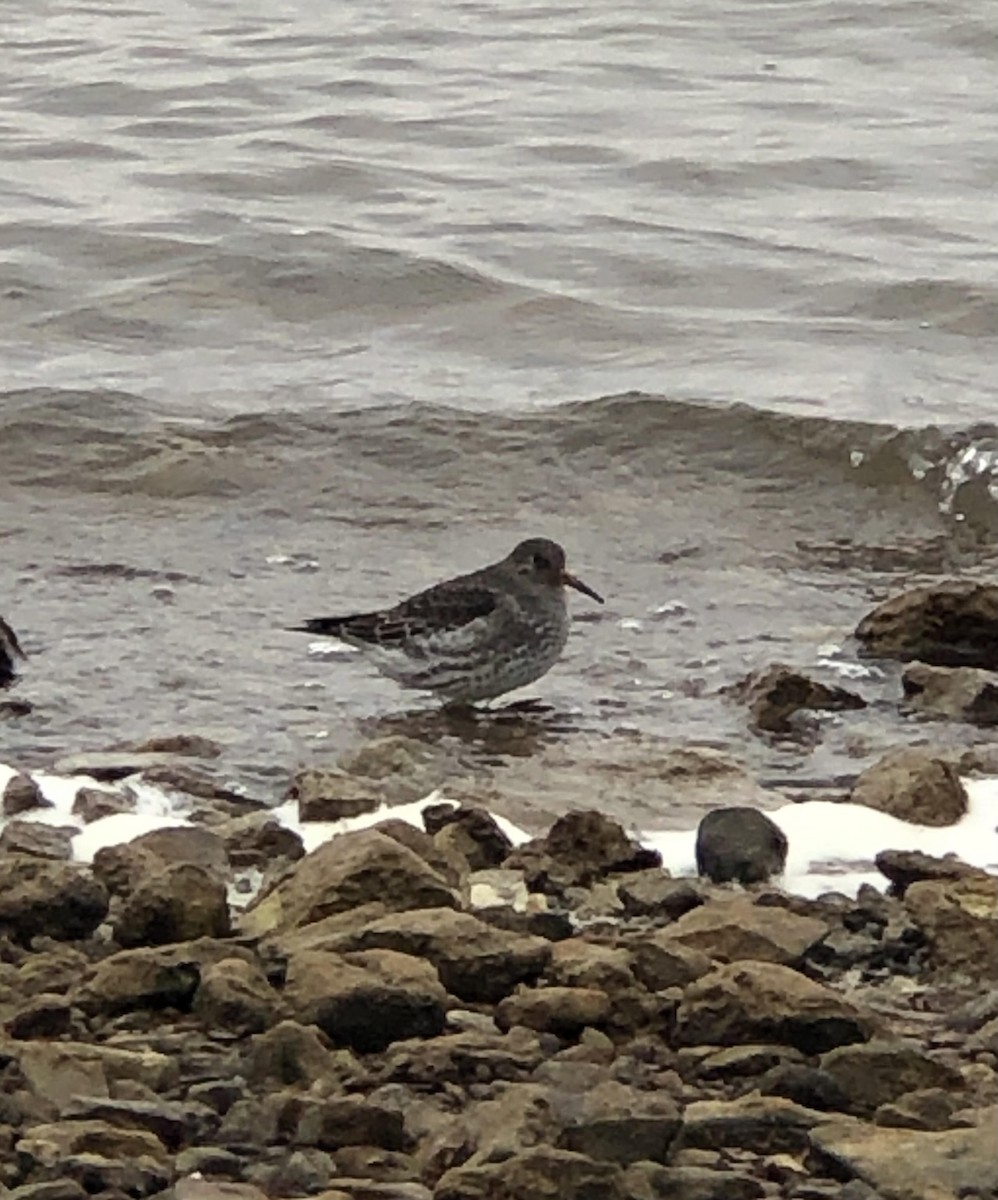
x,y
305,306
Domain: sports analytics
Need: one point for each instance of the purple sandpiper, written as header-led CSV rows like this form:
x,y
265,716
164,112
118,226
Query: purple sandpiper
x,y
474,637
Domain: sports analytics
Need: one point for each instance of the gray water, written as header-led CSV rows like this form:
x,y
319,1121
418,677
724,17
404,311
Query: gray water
x,y
305,306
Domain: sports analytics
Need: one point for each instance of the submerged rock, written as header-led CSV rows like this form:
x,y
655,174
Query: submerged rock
x,y
740,845
776,694
913,785
950,624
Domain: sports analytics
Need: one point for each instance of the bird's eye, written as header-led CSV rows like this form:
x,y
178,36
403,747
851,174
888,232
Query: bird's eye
x,y
541,562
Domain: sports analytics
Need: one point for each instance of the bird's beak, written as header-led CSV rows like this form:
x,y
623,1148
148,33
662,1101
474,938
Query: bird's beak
x,y
572,581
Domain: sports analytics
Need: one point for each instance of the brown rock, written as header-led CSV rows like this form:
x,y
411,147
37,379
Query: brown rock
x,y
904,1164
56,1071
328,794
882,1071
581,848
91,804
475,961
618,1123
761,1124
38,896
931,1109
661,962
653,893
177,904
45,1144
150,977
447,863
124,867
171,1122
755,1002
739,845
578,963
691,1183
777,693
471,831
913,785
950,624
367,1000
287,1055
905,867
43,1016
951,693
959,919
538,1172
349,1121
257,839
729,930
41,841
459,1057
351,870
565,1011
21,795
235,994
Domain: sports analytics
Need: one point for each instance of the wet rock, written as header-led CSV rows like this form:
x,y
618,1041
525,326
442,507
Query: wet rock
x,y
905,1164
20,795
739,845
564,1011
235,994
91,804
41,841
178,904
951,693
692,1183
617,1123
581,848
448,864
352,870
754,1002
259,840
349,1121
537,1172
38,896
809,1086
186,745
777,693
905,867
959,919
470,831
931,1109
124,867
475,961
328,794
881,1071
761,1124
149,977
729,930
913,785
949,624
109,766
368,1000
661,962
653,893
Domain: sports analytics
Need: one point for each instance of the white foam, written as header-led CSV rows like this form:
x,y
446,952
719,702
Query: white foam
x,y
831,845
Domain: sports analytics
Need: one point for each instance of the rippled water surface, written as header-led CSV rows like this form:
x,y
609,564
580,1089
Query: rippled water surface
x,y
303,306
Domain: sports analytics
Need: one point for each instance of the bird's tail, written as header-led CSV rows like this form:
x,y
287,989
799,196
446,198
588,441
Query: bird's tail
x,y
329,626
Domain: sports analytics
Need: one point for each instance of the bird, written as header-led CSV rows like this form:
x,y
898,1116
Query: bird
x,y
10,652
475,637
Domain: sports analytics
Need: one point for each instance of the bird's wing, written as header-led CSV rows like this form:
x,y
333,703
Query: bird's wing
x,y
442,611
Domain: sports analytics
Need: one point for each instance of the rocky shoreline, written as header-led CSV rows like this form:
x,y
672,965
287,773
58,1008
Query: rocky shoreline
x,y
434,1013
